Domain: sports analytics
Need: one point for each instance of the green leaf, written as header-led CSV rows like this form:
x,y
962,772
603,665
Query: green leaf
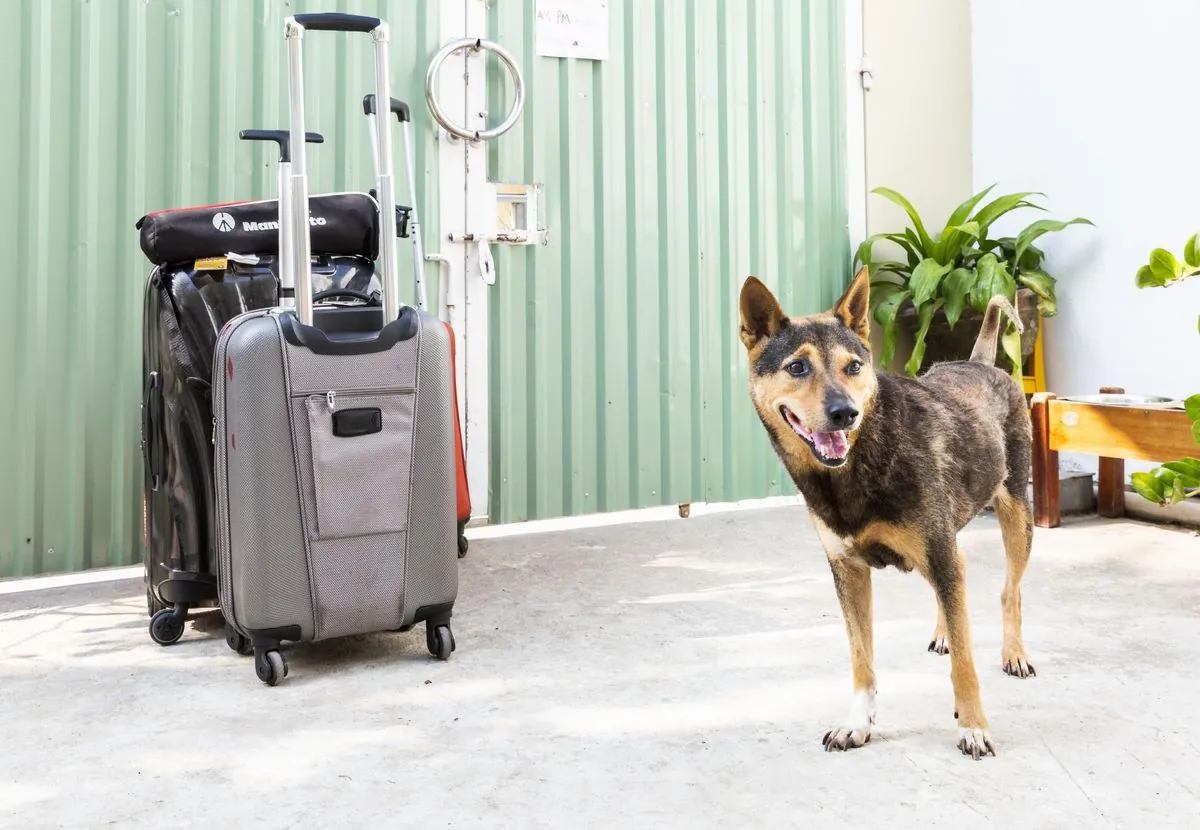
x,y
925,280
1187,470
1178,493
1164,266
1146,279
881,290
1191,253
885,316
1031,260
925,243
955,289
891,267
1011,341
993,210
863,254
1042,284
964,210
947,249
1192,405
1196,432
1149,487
993,279
1043,226
924,318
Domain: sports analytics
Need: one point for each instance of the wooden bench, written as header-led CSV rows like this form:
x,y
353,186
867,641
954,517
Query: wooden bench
x,y
1112,432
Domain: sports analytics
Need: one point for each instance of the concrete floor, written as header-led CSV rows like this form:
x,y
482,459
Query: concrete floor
x,y
675,674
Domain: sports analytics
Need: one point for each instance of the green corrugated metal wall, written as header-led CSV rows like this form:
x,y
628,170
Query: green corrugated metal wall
x,y
112,108
708,147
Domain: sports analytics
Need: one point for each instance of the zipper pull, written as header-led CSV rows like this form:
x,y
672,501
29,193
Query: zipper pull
x,y
329,398
213,437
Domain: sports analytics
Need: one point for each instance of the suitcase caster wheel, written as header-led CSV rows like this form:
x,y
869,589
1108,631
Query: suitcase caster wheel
x,y
166,626
270,667
462,546
238,642
440,641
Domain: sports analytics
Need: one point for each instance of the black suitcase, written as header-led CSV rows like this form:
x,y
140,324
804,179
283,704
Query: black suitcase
x,y
186,304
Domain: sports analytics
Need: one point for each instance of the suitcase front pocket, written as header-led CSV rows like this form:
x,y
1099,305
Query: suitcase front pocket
x,y
361,461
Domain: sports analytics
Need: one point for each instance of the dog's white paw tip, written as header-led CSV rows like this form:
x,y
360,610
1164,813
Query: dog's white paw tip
x,y
843,739
976,743
939,646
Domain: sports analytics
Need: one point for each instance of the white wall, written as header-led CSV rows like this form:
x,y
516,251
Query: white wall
x,y
918,110
917,114
1098,106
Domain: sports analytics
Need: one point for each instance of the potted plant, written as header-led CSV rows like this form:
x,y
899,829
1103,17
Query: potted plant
x,y
940,292
1176,480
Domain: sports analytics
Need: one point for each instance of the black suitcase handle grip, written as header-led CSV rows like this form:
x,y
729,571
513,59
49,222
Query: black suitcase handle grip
x,y
281,137
398,107
337,22
148,398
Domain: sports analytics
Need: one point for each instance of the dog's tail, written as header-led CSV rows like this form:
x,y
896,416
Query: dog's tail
x,y
989,332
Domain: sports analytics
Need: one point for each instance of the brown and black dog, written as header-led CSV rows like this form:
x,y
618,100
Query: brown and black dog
x,y
891,469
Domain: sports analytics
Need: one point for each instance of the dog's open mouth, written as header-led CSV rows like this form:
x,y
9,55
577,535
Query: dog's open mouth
x,y
830,448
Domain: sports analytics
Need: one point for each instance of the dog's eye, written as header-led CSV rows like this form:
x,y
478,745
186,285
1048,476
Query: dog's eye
x,y
798,368
854,368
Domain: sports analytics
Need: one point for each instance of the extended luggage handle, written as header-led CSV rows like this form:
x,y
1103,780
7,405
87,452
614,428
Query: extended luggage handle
x,y
404,116
287,287
281,137
300,242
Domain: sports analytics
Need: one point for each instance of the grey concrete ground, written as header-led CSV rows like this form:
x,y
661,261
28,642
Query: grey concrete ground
x,y
678,674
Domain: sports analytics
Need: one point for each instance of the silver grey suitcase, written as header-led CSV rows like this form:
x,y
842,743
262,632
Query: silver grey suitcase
x,y
334,445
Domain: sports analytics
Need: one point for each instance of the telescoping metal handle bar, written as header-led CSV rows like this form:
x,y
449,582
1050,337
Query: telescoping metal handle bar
x,y
284,139
400,109
301,246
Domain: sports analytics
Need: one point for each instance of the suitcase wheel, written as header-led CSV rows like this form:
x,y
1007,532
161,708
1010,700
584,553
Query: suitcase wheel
x,y
270,667
237,641
166,626
440,640
462,546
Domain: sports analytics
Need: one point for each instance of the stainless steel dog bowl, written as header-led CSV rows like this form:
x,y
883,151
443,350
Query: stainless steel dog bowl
x,y
1118,399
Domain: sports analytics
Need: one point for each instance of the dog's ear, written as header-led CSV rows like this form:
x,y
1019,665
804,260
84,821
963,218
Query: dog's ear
x,y
853,309
760,312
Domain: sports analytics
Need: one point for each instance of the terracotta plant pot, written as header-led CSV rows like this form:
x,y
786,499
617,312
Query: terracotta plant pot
x,y
943,343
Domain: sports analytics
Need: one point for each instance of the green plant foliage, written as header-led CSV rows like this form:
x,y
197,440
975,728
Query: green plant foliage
x,y
957,266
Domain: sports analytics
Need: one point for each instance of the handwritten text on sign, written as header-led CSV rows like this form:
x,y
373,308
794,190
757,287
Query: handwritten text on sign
x,y
572,29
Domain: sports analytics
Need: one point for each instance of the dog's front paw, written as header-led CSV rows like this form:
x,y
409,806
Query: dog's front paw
x,y
846,738
975,742
858,722
939,645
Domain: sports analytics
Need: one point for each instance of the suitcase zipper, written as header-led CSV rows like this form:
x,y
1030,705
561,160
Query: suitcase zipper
x,y
331,396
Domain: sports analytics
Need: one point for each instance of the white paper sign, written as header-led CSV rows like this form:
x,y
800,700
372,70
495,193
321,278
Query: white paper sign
x,y
571,29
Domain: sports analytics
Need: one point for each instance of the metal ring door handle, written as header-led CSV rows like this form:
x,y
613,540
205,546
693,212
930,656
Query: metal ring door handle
x,y
439,114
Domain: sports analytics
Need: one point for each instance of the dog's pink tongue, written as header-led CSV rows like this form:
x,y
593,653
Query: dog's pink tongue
x,y
831,444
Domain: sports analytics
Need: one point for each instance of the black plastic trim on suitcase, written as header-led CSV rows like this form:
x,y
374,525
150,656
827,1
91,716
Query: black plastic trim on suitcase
x,y
437,614
351,423
315,340
284,632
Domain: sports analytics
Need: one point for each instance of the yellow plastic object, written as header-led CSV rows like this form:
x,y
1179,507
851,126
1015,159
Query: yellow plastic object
x,y
1037,381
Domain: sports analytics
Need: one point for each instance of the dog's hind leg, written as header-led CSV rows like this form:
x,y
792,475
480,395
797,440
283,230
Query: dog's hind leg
x,y
945,568
1016,527
852,579
938,643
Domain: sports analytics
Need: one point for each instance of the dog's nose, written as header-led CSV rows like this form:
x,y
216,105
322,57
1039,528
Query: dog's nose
x,y
842,414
